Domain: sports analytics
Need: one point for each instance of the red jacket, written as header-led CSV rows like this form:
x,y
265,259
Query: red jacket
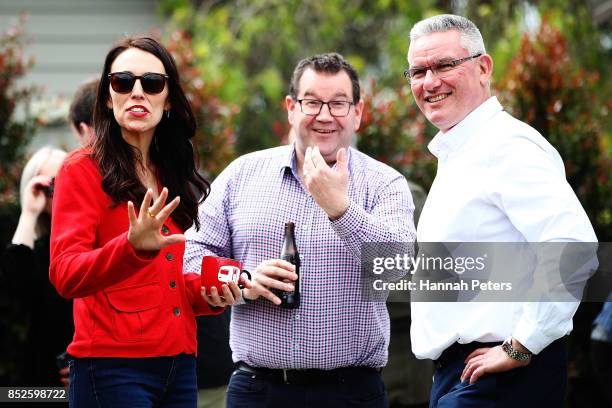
x,y
124,305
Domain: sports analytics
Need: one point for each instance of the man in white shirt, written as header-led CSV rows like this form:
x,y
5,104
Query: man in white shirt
x,y
498,180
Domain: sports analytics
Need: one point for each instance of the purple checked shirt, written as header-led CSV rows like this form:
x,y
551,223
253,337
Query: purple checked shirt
x,y
244,218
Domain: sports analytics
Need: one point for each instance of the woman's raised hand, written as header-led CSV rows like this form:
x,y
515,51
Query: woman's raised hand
x,y
145,229
34,200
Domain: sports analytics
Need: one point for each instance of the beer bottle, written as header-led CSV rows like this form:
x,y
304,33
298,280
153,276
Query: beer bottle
x,y
289,253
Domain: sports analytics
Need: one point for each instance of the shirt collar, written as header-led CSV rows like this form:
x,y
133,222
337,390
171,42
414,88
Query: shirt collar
x,y
289,161
466,129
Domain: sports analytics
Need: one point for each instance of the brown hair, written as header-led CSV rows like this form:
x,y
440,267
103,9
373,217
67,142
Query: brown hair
x,y
172,151
332,63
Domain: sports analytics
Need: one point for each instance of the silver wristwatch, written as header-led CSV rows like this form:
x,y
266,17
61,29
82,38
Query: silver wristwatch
x,y
514,353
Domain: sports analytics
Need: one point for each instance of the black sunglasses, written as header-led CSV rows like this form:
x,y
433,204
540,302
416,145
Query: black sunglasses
x,y
151,82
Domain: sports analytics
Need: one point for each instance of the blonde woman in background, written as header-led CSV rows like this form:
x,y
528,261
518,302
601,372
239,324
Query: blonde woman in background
x,y
36,321
36,195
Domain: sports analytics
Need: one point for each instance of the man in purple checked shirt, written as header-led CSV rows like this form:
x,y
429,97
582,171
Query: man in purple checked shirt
x,y
330,350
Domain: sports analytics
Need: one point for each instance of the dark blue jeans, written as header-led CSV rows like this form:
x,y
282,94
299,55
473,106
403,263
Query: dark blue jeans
x,y
542,383
248,390
133,382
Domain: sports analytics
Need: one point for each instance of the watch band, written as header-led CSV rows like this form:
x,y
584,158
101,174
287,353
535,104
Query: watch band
x,y
244,298
514,353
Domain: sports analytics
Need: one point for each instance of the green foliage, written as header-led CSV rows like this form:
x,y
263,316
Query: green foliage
x,y
250,49
215,135
14,134
394,131
544,88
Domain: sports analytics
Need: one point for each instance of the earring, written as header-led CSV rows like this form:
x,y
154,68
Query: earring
x,y
168,114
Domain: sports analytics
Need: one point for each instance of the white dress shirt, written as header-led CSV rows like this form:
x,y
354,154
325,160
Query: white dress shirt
x,y
498,180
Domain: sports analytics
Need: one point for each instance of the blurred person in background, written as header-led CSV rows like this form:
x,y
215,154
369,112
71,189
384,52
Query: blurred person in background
x,y
37,322
80,113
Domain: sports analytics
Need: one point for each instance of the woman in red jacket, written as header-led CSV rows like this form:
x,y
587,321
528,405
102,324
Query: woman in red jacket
x,y
135,330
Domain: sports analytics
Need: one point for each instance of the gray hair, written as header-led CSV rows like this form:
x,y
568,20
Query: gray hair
x,y
470,36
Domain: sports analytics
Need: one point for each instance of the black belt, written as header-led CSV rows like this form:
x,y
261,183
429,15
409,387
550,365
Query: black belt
x,y
309,376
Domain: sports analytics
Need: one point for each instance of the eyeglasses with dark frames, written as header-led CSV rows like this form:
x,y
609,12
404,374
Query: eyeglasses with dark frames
x,y
439,69
151,82
313,107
